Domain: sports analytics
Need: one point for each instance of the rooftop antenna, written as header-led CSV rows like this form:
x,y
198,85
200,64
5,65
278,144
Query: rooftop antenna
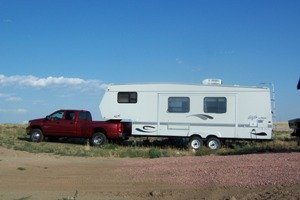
x,y
271,85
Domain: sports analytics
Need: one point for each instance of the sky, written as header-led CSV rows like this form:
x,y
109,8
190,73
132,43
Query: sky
x,y
63,53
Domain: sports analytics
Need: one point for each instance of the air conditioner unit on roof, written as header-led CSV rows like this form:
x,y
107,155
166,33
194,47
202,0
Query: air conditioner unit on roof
x,y
212,82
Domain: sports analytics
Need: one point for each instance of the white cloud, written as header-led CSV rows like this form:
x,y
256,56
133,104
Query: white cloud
x,y
2,95
197,69
20,111
179,61
39,102
36,82
13,99
7,21
14,111
10,97
227,52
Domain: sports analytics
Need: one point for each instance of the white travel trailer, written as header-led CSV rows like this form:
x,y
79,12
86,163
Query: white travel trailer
x,y
208,112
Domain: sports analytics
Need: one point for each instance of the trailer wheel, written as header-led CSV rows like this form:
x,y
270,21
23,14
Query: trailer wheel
x,y
98,139
213,143
36,135
196,143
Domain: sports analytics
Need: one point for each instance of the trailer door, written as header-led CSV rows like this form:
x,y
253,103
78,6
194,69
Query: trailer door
x,y
173,110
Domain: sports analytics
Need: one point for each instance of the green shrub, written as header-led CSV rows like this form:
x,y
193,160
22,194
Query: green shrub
x,y
204,151
154,153
25,198
133,152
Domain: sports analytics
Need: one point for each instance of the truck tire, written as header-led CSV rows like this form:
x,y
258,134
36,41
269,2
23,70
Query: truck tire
x,y
98,139
195,143
213,143
36,135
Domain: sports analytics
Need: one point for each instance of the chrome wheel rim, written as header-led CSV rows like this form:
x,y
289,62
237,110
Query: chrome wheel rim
x,y
213,144
35,136
195,144
98,140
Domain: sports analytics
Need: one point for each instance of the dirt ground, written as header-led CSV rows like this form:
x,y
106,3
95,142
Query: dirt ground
x,y
42,176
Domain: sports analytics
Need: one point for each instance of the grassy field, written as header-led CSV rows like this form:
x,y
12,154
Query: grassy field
x,y
14,137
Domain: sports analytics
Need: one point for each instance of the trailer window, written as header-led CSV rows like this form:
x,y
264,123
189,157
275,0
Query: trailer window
x,y
127,97
215,105
179,104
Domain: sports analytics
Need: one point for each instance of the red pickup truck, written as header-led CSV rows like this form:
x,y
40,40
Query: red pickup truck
x,y
74,124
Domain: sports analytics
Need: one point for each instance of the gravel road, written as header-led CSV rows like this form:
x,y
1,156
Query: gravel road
x,y
242,170
43,176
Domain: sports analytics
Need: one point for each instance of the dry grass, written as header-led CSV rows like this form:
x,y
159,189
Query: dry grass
x,y
14,137
281,127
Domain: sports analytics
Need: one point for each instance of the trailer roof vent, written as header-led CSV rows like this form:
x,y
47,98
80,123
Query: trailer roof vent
x,y
212,82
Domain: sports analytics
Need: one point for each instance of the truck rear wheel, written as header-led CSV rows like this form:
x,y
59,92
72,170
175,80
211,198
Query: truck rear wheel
x,y
36,135
98,139
195,143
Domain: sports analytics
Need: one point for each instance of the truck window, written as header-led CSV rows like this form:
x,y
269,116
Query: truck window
x,y
127,97
83,115
57,115
70,115
215,105
178,104
88,116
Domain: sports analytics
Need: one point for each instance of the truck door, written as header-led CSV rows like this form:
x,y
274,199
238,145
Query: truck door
x,y
83,126
173,110
52,124
68,124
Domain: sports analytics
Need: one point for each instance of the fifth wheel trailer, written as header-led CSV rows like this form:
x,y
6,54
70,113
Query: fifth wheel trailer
x,y
209,112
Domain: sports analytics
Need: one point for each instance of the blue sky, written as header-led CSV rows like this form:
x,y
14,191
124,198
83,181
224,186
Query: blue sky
x,y
61,54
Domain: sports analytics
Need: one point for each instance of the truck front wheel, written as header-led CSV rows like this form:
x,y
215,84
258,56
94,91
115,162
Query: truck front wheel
x,y
36,135
98,139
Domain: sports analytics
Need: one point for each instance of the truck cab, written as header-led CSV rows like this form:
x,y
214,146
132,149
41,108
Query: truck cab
x,y
68,122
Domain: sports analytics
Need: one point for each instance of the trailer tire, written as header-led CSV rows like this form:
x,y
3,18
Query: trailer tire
x,y
36,135
213,143
195,143
98,139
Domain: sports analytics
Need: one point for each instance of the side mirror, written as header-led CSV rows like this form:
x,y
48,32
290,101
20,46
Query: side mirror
x,y
47,117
